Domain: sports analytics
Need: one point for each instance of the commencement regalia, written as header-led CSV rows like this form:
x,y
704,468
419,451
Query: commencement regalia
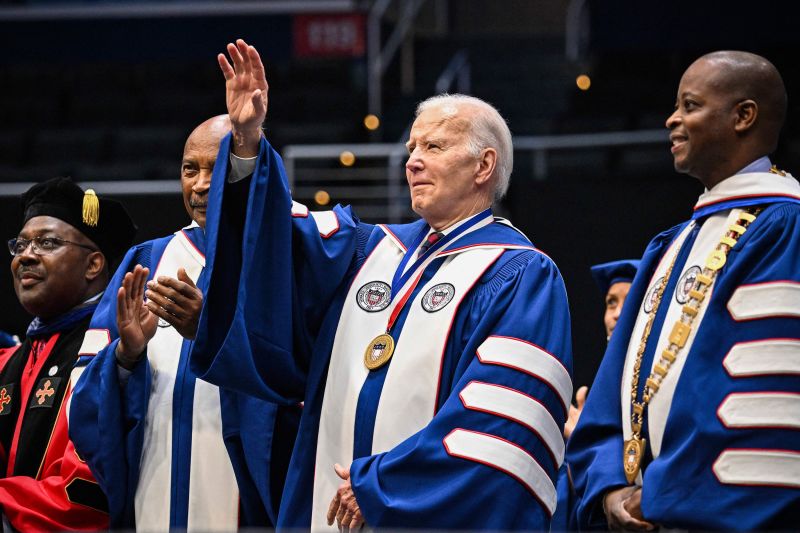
x,y
461,427
605,275
157,438
45,485
723,450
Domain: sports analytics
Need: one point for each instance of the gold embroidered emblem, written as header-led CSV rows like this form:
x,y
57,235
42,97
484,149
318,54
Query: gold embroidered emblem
x,y
5,399
44,393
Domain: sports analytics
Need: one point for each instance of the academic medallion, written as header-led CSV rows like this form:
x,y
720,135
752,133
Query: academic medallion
x,y
632,455
379,351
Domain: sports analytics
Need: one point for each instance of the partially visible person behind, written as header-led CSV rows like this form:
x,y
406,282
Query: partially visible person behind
x,y
614,281
60,269
153,433
693,417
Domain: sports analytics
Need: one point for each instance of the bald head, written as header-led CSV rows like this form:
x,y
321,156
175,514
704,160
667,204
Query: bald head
x,y
729,111
199,157
209,132
746,76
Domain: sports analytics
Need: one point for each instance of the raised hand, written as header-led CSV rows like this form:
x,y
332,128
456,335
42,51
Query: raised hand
x,y
344,507
245,94
178,301
135,323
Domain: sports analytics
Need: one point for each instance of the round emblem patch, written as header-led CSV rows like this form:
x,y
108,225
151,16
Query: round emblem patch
x,y
686,283
374,296
438,297
650,297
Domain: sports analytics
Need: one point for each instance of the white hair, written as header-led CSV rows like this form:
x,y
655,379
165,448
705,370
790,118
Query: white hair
x,y
488,129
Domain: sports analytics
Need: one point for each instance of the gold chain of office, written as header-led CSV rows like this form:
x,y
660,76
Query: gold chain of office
x,y
633,450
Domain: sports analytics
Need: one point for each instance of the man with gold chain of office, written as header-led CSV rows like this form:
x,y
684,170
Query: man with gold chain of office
x,y
692,420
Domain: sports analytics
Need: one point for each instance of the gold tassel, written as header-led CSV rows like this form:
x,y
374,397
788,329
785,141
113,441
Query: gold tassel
x,y
91,208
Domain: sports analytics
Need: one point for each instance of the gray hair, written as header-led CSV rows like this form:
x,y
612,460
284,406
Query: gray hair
x,y
488,130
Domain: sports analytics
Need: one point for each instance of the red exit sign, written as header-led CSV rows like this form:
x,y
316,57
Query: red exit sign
x,y
329,35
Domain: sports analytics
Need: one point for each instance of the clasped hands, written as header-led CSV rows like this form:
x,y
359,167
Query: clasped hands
x,y
623,508
177,301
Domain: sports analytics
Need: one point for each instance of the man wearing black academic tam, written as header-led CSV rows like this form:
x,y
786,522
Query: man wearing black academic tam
x,y
69,237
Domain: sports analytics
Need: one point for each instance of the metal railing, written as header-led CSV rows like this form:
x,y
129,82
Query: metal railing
x,y
540,146
458,71
131,9
576,30
116,187
385,194
379,58
384,181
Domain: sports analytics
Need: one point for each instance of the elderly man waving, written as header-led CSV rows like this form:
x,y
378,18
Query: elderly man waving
x,y
433,358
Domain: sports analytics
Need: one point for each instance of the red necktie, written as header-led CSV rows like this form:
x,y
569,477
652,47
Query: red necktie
x,y
430,241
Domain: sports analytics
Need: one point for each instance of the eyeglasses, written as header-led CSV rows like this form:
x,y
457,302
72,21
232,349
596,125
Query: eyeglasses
x,y
41,245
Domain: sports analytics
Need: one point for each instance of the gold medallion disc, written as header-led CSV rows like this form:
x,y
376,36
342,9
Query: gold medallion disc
x,y
379,351
632,454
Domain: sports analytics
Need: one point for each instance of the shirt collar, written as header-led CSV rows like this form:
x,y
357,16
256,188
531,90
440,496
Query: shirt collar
x,y
762,164
39,327
93,299
455,226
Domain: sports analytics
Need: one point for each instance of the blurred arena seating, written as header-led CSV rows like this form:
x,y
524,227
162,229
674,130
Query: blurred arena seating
x,y
121,114
112,121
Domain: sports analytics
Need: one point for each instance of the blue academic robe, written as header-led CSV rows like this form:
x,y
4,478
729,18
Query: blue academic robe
x,y
564,518
164,445
462,427
723,441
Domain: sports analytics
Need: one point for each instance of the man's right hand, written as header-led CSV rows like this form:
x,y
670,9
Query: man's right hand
x,y
246,96
623,508
575,412
135,323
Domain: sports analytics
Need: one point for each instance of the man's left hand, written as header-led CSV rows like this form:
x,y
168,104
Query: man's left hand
x,y
344,507
178,301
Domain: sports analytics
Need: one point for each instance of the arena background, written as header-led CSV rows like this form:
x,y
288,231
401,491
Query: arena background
x,y
107,91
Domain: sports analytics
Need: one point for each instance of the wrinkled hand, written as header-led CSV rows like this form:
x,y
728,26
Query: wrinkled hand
x,y
575,412
623,508
245,94
135,323
178,301
344,507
